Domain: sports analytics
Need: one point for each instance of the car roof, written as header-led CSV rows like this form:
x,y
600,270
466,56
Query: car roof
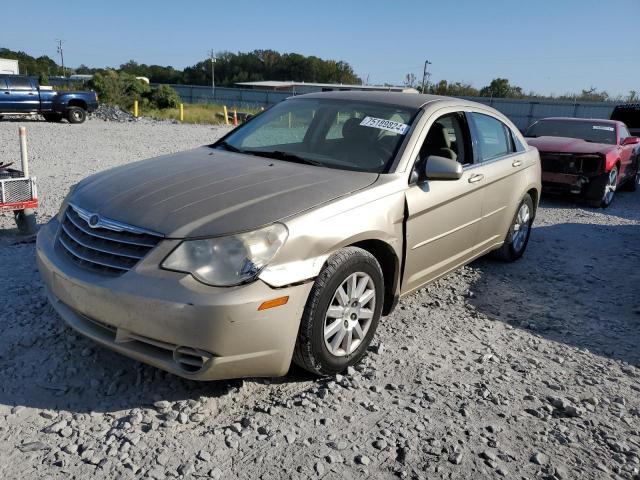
x,y
398,99
574,119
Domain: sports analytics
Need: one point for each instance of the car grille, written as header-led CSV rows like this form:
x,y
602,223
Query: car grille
x,y
570,163
103,249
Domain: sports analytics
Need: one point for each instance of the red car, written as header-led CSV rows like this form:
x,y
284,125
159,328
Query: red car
x,y
588,157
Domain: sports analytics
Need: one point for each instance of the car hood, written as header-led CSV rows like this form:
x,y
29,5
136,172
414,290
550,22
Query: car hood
x,y
210,192
568,145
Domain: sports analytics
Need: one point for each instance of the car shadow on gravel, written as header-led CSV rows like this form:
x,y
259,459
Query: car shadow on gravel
x,y
576,284
625,205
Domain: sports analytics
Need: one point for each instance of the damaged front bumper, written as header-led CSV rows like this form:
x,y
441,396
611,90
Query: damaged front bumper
x,y
576,174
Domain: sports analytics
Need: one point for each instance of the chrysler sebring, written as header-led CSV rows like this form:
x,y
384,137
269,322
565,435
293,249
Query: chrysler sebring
x,y
289,238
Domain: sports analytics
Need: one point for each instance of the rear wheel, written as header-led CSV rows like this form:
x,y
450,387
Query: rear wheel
x,y
631,185
519,232
341,314
76,115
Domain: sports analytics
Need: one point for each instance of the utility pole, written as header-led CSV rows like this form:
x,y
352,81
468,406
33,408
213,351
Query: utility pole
x,y
424,74
212,56
61,56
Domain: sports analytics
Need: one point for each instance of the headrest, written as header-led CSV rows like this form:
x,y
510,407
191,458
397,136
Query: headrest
x,y
437,137
353,130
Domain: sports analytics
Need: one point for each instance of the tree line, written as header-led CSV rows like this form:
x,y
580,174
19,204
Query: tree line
x,y
231,68
502,88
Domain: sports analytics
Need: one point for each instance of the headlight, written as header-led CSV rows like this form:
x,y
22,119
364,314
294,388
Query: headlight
x,y
228,261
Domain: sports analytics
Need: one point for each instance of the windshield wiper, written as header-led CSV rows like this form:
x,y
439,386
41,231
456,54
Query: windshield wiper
x,y
228,146
287,157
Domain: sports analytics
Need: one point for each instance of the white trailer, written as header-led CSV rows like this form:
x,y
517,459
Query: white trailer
x,y
8,66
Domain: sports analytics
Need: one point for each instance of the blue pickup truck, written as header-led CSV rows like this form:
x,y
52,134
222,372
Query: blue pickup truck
x,y
21,95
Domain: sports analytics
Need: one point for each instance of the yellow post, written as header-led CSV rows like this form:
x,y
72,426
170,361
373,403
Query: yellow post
x,y
181,112
226,114
135,108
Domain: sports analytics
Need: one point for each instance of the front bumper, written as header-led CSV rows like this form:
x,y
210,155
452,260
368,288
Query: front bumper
x,y
170,320
583,185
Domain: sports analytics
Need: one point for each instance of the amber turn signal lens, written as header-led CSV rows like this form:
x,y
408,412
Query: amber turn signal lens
x,y
276,302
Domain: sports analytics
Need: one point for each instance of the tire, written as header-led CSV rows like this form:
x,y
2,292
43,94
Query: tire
x,y
519,232
25,221
76,115
316,352
607,189
52,117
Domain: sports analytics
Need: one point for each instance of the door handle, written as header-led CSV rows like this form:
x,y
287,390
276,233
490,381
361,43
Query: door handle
x,y
476,178
7,93
517,163
32,94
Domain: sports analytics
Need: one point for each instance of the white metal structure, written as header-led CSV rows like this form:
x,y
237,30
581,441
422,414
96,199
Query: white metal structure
x,y
8,66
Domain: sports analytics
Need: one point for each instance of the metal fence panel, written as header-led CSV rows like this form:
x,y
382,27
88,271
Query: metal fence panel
x,y
521,112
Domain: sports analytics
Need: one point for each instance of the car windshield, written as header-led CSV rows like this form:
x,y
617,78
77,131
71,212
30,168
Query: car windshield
x,y
350,135
596,132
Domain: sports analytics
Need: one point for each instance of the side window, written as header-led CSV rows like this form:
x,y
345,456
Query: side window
x,y
624,133
3,83
20,83
494,137
447,137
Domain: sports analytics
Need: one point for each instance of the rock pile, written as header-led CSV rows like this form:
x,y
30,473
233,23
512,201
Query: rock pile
x,y
112,113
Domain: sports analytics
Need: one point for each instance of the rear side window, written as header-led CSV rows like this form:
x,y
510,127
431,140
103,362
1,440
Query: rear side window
x,y
494,138
20,83
3,84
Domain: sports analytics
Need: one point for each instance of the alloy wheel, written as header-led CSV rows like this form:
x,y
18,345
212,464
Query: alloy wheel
x,y
521,227
610,187
349,315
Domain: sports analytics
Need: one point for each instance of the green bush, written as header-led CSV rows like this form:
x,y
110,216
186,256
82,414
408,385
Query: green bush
x,y
165,97
43,79
119,88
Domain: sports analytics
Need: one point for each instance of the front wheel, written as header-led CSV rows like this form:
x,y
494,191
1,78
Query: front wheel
x,y
342,313
608,189
76,115
519,232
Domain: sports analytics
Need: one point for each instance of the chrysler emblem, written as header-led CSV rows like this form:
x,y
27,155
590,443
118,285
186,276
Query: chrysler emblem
x,y
94,220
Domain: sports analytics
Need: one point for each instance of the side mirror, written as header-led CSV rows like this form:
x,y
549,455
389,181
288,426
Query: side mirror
x,y
630,141
442,168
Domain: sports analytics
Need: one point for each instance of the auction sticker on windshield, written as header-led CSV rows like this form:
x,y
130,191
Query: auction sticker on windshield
x,y
382,124
602,127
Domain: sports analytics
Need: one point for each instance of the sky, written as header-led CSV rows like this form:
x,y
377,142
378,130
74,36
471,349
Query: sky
x,y
546,46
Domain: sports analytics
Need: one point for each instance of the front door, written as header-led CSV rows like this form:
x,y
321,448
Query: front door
x,y
443,215
24,96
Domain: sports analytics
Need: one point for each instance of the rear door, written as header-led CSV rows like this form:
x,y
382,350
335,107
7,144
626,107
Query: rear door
x,y
443,215
23,95
500,156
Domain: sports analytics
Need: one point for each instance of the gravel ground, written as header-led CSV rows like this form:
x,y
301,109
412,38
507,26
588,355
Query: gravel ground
x,y
525,370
